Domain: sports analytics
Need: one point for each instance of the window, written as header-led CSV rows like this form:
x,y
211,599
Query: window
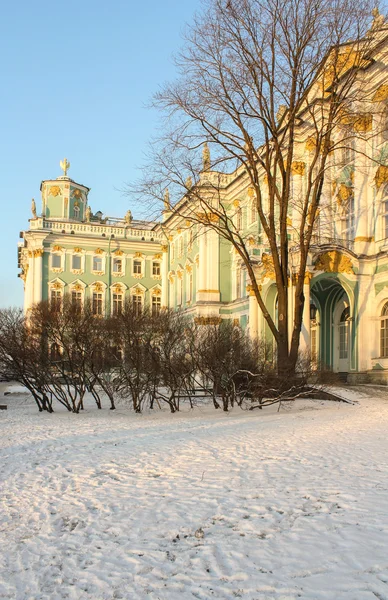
x,y
156,305
238,282
239,219
56,300
56,261
190,240
384,331
76,262
179,291
156,269
117,305
180,246
189,291
344,333
76,299
348,221
97,303
253,212
348,151
76,212
137,267
172,251
97,264
137,303
117,265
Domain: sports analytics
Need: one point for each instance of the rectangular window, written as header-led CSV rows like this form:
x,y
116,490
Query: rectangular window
x,y
137,267
343,332
189,291
76,262
348,222
156,269
179,291
238,283
117,304
97,303
348,151
97,264
56,261
384,338
385,218
156,304
76,299
137,304
56,300
117,265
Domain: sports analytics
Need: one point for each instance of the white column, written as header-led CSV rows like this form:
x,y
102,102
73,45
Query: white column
x,y
165,281
305,345
29,284
38,272
253,314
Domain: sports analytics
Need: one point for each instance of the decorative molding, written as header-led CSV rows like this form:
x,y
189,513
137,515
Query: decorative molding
x,y
57,248
118,253
157,257
207,320
381,94
135,275
78,250
98,251
164,248
364,238
38,252
236,203
298,167
381,176
251,192
54,190
250,290
138,255
268,269
333,262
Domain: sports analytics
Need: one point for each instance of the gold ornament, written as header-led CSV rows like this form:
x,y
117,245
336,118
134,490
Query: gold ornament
x,y
298,167
333,262
65,166
381,176
381,94
54,190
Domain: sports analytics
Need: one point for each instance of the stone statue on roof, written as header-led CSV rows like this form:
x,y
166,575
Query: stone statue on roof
x,y
378,19
128,217
33,208
166,199
88,214
206,157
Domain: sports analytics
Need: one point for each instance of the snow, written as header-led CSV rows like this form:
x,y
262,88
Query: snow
x,y
199,505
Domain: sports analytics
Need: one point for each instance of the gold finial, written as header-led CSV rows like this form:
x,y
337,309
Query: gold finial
x,y
65,166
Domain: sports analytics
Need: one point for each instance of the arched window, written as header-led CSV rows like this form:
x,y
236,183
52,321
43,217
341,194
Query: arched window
x,y
76,211
239,219
384,331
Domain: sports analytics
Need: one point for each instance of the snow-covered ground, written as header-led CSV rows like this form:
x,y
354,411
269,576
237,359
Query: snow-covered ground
x,y
105,505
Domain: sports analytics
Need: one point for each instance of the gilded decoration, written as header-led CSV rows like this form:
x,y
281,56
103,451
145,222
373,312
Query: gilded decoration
x,y
57,248
77,194
268,269
117,289
189,268
76,271
76,204
38,252
179,274
344,194
381,94
118,253
78,250
138,291
289,222
65,166
333,262
57,285
54,190
364,238
138,255
188,223
250,290
298,167
236,203
179,231
164,248
311,144
197,260
98,251
77,287
381,176
207,320
251,192
208,217
98,287
157,257
251,242
156,292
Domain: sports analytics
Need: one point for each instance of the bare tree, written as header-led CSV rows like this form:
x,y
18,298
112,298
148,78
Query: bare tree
x,y
261,81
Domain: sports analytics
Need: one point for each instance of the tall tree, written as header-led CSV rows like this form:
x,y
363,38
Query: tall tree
x,y
262,83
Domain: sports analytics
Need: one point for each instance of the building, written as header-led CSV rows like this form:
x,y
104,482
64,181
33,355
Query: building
x,y
186,265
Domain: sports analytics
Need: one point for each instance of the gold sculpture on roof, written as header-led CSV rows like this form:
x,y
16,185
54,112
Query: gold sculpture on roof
x,y
65,166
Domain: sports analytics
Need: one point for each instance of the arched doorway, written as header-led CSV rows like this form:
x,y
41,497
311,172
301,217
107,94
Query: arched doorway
x,y
333,336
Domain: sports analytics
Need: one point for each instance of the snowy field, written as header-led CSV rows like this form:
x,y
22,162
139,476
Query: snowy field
x,y
105,505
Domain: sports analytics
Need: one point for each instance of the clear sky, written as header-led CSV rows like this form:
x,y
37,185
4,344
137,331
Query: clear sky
x,y
76,78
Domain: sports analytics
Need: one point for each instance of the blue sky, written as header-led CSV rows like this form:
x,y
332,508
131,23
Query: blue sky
x,y
76,79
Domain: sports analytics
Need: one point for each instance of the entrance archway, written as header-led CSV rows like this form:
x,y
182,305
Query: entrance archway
x,y
334,332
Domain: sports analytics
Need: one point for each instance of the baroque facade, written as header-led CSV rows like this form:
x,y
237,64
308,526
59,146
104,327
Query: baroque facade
x,y
180,264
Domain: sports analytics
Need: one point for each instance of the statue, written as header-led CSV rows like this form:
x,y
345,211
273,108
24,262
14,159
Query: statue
x,y
65,166
128,217
33,208
88,214
189,183
167,199
378,19
206,157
